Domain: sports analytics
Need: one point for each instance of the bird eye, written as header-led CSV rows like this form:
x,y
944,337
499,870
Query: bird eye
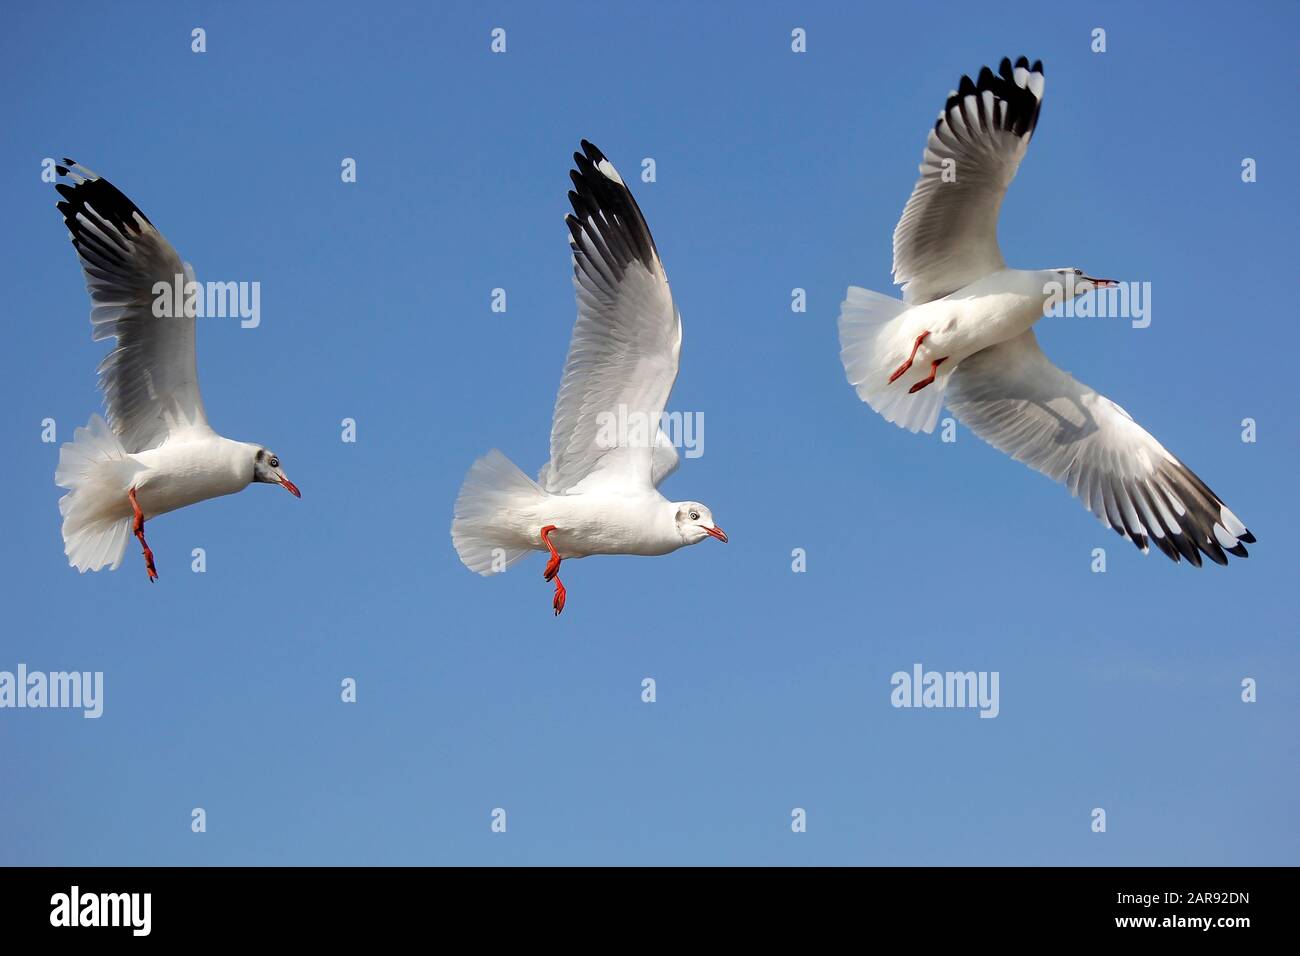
x,y
274,462
1078,272
695,516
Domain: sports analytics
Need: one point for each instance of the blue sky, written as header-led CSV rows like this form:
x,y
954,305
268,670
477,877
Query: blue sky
x,y
774,170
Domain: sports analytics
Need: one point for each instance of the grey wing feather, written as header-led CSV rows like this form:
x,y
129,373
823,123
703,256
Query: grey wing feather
x,y
150,380
1013,397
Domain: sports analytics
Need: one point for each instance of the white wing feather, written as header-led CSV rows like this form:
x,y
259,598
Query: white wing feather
x,y
624,352
948,234
150,380
1013,397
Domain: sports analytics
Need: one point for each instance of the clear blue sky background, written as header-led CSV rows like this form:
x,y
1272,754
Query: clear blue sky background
x,y
775,170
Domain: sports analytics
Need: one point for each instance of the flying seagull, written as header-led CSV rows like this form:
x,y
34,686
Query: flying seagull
x,y
156,452
598,493
964,332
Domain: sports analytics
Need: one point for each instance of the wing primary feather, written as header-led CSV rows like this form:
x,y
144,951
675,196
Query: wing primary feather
x,y
625,344
1013,397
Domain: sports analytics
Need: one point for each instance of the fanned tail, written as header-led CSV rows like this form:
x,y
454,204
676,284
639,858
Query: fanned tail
x,y
875,340
493,488
96,515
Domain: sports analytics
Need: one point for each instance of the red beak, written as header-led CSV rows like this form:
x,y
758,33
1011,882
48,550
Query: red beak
x,y
290,487
716,532
1102,283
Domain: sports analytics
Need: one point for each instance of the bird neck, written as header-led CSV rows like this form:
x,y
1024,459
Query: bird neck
x,y
244,459
665,527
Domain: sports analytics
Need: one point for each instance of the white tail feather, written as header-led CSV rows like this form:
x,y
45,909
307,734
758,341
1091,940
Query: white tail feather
x,y
874,340
96,514
482,530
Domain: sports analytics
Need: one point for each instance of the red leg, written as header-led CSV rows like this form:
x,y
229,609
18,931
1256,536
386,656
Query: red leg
x,y
552,572
553,565
558,601
139,533
926,381
902,369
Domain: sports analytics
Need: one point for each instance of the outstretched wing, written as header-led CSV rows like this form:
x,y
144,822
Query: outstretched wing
x,y
623,356
1013,397
664,461
150,381
948,235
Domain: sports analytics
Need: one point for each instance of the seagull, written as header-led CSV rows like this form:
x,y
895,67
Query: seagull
x,y
598,493
963,333
155,452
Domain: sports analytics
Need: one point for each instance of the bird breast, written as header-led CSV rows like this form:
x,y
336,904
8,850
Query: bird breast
x,y
965,323
593,523
176,475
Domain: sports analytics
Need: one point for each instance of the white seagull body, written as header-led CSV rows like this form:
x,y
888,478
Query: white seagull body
x,y
156,451
598,494
964,332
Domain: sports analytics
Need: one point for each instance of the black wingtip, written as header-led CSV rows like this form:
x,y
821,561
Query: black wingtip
x,y
97,200
1166,547
1247,537
575,226
1020,116
599,194
1215,551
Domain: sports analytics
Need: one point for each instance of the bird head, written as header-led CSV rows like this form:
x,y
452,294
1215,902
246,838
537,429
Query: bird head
x,y
266,468
1078,282
695,523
